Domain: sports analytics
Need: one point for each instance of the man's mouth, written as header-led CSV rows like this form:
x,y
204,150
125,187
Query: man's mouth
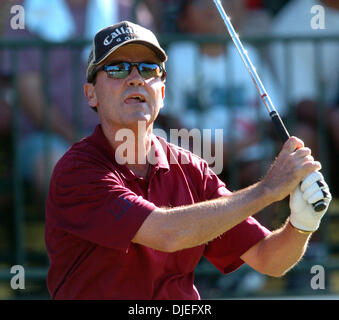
x,y
135,98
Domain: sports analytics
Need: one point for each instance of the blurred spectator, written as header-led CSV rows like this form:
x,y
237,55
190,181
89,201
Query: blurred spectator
x,y
257,18
208,86
59,89
313,76
272,7
258,14
164,13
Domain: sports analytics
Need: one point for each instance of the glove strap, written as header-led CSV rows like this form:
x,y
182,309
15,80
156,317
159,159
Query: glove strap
x,y
300,230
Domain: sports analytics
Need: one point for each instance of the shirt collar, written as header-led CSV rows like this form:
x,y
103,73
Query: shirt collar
x,y
157,157
158,153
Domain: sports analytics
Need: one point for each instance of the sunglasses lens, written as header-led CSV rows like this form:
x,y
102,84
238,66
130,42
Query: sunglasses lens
x,y
149,70
118,71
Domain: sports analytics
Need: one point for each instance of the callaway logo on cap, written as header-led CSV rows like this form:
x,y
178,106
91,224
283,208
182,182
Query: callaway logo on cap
x,y
109,39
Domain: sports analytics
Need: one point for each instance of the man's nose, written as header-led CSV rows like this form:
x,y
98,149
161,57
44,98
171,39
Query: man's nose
x,y
135,78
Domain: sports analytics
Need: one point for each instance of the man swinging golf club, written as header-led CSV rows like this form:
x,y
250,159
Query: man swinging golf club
x,y
137,230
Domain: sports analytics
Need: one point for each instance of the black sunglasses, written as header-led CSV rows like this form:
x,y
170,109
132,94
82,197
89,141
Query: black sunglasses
x,y
121,70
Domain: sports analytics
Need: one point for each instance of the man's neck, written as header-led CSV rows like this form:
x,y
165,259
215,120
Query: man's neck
x,y
131,146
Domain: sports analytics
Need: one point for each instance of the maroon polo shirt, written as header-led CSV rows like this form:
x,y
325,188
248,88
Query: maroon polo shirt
x,y
95,207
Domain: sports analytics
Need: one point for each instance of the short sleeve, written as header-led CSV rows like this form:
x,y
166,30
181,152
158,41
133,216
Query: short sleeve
x,y
213,187
225,251
93,204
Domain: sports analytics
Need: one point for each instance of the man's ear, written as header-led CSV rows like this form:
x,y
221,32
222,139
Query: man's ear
x,y
163,92
162,96
90,94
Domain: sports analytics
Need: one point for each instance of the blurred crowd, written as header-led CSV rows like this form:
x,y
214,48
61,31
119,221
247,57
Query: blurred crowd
x,y
210,84
207,86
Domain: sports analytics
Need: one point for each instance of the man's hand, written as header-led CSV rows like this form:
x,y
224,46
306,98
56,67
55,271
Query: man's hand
x,y
313,189
292,165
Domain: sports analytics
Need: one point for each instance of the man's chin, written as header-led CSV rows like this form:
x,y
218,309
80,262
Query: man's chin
x,y
140,121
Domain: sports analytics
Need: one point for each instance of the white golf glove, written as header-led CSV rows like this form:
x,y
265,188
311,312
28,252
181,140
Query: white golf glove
x,y
311,190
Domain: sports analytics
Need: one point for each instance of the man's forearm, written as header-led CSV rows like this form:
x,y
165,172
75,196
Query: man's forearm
x,y
192,225
280,251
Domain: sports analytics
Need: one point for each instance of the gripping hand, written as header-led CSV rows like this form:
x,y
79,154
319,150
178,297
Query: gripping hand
x,y
313,188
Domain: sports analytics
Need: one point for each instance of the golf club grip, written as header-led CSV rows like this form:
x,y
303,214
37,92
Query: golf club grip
x,y
320,205
279,126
